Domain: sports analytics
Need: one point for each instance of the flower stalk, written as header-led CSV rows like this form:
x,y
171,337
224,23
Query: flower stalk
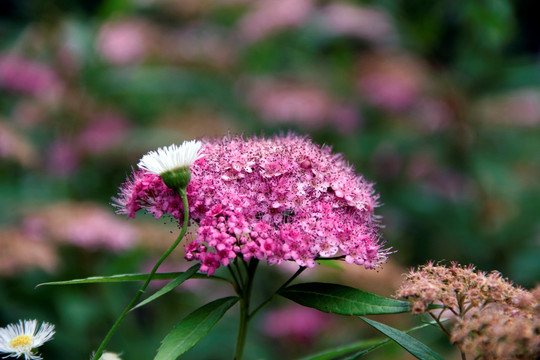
x,y
244,290
245,300
101,349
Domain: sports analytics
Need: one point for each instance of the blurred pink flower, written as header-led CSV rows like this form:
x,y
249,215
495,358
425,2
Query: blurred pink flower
x,y
28,77
63,158
520,107
283,102
450,184
84,225
122,42
310,107
100,230
364,22
344,118
15,147
28,113
392,82
269,16
387,162
295,323
201,43
20,252
432,115
420,166
441,181
105,132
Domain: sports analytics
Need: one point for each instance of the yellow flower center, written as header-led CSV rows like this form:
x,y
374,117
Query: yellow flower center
x,y
21,341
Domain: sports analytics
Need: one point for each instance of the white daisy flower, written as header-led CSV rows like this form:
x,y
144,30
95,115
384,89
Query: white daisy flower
x,y
172,163
20,339
171,158
110,356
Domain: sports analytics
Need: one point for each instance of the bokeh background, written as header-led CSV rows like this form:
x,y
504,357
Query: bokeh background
x,y
438,102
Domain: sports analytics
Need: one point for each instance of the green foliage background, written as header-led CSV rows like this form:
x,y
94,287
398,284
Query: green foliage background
x,y
464,188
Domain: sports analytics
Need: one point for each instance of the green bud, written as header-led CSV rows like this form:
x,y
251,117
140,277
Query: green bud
x,y
177,179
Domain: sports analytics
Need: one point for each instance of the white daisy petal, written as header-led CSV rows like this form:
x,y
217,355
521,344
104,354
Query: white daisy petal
x,y
20,339
172,157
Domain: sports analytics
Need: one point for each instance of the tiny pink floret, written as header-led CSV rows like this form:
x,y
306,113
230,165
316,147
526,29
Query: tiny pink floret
x,y
279,199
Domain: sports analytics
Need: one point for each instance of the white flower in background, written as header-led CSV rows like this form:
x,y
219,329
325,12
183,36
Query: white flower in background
x,y
109,356
20,339
172,163
171,158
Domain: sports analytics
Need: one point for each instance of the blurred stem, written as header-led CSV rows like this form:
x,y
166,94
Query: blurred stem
x,y
245,298
135,299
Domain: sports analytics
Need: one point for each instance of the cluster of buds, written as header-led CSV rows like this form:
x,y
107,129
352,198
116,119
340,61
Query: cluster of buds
x,y
494,318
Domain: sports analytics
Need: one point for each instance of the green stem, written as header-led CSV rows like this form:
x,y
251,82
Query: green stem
x,y
245,298
236,284
438,321
271,297
133,302
239,271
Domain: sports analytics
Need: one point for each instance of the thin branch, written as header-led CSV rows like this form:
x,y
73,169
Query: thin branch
x,y
236,284
437,320
271,297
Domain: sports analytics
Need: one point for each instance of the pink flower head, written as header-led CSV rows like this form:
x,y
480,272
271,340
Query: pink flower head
x,y
283,198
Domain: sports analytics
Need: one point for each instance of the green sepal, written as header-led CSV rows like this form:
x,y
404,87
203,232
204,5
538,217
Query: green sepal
x,y
177,179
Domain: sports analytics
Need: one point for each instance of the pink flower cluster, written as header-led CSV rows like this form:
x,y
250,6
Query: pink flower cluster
x,y
278,199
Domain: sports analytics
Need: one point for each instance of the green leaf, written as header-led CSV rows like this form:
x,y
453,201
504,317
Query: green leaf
x,y
370,344
415,347
170,286
129,277
193,328
330,263
344,350
343,300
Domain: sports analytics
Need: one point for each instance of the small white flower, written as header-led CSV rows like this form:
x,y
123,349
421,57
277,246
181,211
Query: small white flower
x,y
109,356
171,158
20,339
